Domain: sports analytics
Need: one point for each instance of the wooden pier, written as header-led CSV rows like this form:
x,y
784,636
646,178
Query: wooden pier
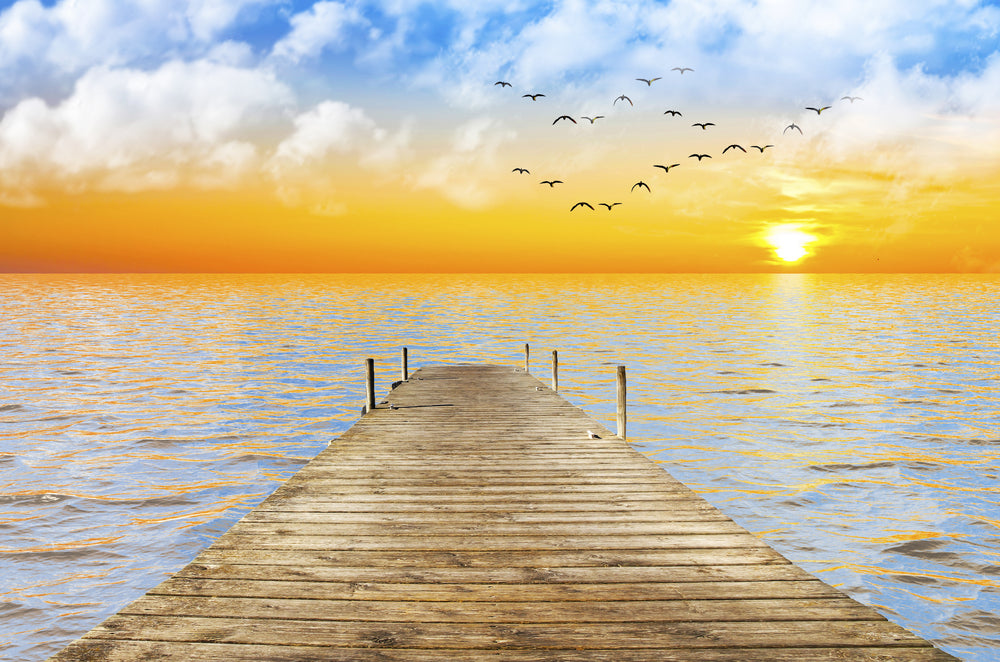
x,y
471,516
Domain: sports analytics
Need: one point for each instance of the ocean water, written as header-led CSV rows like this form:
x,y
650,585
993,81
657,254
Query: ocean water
x,y
852,421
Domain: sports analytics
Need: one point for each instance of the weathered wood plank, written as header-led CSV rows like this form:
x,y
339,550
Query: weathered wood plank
x,y
305,569
620,636
380,649
465,611
477,519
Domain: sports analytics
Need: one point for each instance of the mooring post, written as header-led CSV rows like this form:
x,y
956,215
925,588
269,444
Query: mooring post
x,y
404,371
370,384
526,357
621,401
555,370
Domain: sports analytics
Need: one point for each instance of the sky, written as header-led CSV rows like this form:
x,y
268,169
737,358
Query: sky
x,y
371,136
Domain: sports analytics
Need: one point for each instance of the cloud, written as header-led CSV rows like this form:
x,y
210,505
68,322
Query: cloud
x,y
43,49
322,26
327,140
124,129
461,174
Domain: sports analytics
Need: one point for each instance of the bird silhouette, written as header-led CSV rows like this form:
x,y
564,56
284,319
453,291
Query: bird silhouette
x,y
818,110
672,113
682,69
640,185
666,168
609,205
533,97
761,148
793,125
851,99
649,81
623,97
739,147
502,83
704,125
551,182
522,171
565,117
593,119
699,156
581,204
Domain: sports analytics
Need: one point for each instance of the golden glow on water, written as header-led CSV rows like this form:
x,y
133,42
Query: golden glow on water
x,y
845,419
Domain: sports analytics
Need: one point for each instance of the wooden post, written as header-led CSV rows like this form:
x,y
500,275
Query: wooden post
x,y
370,384
404,370
621,401
526,357
555,370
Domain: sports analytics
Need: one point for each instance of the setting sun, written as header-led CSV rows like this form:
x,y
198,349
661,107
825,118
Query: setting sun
x,y
789,242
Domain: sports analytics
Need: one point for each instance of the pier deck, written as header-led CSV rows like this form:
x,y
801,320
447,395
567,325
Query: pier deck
x,y
471,517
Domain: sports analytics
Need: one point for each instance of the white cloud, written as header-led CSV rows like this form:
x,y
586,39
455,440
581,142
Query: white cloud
x,y
461,175
332,136
43,49
322,26
124,129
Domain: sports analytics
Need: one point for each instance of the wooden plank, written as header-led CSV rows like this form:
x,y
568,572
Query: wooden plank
x,y
619,636
378,650
468,516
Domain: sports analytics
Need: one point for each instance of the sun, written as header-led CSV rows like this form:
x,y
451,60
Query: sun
x,y
789,242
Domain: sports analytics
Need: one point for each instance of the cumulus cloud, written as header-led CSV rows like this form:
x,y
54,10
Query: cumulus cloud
x,y
306,164
124,129
322,26
44,48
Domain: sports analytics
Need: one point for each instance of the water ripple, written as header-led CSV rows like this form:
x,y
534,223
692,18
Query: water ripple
x,y
850,421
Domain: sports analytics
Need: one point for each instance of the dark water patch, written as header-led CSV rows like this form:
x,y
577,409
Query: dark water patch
x,y
947,390
923,466
820,379
928,549
11,408
852,467
772,364
728,372
983,442
976,621
33,499
919,365
69,373
846,403
917,580
743,391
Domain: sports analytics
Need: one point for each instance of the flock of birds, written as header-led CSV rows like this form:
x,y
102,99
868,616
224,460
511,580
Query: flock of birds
x,y
534,96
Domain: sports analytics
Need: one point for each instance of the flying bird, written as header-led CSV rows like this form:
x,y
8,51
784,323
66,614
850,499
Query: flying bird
x,y
551,182
704,125
565,117
851,99
682,69
818,110
502,83
665,167
640,185
594,118
761,148
533,97
522,171
625,98
649,81
699,156
581,204
672,113
609,205
739,147
793,125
